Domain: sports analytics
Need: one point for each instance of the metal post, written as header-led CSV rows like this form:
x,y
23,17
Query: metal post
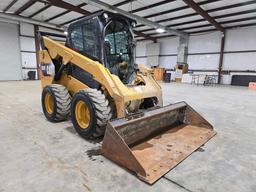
x,y
222,46
182,51
37,45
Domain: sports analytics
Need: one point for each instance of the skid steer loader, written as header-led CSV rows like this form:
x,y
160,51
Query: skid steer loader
x,y
92,77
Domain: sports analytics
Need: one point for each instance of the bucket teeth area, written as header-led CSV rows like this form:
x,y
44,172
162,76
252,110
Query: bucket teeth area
x,y
163,152
153,144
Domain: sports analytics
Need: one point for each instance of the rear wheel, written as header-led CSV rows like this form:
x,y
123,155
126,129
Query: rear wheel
x,y
56,102
90,112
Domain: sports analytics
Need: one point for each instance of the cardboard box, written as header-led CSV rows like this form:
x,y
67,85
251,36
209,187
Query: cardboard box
x,y
158,73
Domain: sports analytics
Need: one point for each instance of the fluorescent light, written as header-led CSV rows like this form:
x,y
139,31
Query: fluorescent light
x,y
105,15
65,32
160,30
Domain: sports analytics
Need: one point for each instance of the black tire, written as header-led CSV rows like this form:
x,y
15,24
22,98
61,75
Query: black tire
x,y
61,102
99,111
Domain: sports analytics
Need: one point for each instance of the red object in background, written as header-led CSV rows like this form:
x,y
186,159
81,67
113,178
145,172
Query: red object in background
x,y
252,85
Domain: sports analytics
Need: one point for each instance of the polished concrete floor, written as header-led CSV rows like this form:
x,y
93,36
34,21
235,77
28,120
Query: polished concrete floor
x,y
36,155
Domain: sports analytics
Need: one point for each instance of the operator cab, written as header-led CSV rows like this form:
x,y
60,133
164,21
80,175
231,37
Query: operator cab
x,y
107,38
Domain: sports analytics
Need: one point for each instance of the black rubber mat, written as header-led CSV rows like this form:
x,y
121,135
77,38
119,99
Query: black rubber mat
x,y
242,80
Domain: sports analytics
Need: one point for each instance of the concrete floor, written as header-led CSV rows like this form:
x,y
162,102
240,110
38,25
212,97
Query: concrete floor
x,y
36,155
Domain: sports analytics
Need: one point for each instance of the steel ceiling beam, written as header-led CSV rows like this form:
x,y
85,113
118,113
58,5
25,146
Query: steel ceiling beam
x,y
204,14
216,17
70,7
116,5
229,27
123,3
152,6
209,30
10,5
154,39
179,8
39,11
31,21
209,25
70,21
49,5
194,14
200,20
139,19
25,6
63,13
133,11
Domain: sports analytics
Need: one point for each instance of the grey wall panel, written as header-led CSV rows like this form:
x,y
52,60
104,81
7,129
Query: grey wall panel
x,y
153,61
204,50
241,39
10,61
205,43
203,62
27,29
141,61
141,49
168,62
169,46
28,60
239,61
153,49
27,44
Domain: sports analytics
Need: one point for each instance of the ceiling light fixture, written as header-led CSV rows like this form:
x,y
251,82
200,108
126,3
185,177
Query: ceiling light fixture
x,y
160,30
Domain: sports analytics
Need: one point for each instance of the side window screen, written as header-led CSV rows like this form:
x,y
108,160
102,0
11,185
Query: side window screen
x,y
77,39
90,38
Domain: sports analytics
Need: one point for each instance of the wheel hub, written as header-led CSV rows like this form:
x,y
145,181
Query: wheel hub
x,y
49,104
82,114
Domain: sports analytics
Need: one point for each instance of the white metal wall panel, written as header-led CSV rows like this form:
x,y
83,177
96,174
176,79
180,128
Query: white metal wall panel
x,y
204,43
203,62
10,55
153,61
141,60
28,60
168,62
141,49
27,44
169,46
236,40
152,52
239,61
27,29
8,21
241,39
153,49
27,49
226,79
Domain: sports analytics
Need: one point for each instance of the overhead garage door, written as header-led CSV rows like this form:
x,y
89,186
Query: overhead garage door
x,y
10,62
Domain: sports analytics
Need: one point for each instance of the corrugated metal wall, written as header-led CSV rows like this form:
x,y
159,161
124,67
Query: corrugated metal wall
x,y
27,49
204,52
10,55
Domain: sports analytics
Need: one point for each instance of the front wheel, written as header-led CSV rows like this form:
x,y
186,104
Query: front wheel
x,y
56,102
90,112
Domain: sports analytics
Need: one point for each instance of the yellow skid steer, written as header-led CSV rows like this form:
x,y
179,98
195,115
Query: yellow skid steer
x,y
92,77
